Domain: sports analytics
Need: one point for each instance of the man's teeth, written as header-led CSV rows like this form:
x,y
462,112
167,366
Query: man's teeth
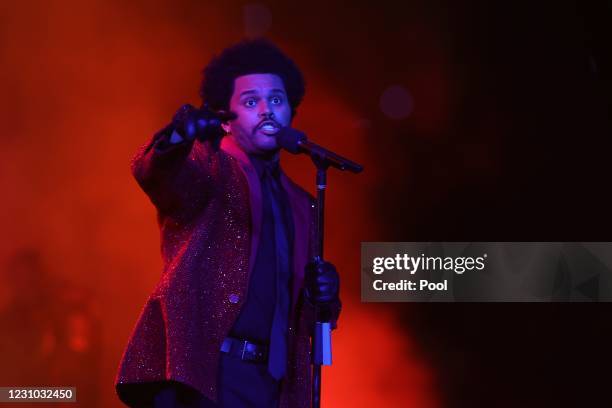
x,y
268,127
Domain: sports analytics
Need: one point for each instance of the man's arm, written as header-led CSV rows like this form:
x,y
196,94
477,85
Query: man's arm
x,y
175,171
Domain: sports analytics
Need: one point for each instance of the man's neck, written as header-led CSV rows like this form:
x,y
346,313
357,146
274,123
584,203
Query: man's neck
x,y
273,155
267,156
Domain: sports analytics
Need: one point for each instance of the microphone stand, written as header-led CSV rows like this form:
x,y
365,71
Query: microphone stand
x,y
296,142
321,336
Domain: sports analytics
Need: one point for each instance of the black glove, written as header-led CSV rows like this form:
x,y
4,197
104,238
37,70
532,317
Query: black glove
x,y
321,282
203,124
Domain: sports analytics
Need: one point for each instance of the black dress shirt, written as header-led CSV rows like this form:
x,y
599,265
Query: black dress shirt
x,y
255,320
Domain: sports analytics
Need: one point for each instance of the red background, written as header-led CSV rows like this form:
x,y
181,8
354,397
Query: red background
x,y
505,140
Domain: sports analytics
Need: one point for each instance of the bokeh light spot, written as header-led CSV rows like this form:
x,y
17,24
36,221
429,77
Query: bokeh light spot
x,y
396,102
257,20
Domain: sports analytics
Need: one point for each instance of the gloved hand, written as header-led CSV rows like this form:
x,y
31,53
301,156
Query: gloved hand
x,y
321,282
203,124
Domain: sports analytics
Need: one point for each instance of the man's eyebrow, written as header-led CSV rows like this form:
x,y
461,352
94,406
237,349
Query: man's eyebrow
x,y
253,91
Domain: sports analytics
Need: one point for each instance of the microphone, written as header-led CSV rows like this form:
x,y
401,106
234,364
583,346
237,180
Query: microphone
x,y
296,142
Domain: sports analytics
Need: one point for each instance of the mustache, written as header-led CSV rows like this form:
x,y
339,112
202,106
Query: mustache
x,y
260,124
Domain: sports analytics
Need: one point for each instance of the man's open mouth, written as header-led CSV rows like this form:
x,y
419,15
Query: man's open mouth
x,y
269,127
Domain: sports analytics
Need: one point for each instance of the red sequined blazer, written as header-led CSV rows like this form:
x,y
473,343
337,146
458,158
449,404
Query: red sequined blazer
x,y
209,213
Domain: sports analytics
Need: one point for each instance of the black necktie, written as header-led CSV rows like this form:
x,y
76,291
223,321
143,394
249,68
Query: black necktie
x,y
277,359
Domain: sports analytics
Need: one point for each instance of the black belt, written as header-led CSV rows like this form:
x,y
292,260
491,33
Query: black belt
x,y
245,350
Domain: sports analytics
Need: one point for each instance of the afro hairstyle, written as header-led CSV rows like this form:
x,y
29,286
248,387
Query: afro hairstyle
x,y
247,57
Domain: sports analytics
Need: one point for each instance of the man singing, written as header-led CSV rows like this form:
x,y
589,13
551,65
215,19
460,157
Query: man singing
x,y
229,322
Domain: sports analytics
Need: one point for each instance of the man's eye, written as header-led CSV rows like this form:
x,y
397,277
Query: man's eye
x,y
250,103
276,100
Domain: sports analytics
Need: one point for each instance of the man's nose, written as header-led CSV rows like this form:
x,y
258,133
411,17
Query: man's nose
x,y
265,110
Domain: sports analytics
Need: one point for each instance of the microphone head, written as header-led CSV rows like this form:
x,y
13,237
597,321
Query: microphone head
x,y
289,139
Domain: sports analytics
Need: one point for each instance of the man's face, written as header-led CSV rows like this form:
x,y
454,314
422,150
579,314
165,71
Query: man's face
x,y
260,102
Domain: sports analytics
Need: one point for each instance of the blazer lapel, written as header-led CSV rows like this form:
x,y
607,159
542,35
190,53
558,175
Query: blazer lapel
x,y
300,209
229,145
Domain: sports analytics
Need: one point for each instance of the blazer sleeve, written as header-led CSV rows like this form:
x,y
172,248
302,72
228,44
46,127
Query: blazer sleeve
x,y
176,177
